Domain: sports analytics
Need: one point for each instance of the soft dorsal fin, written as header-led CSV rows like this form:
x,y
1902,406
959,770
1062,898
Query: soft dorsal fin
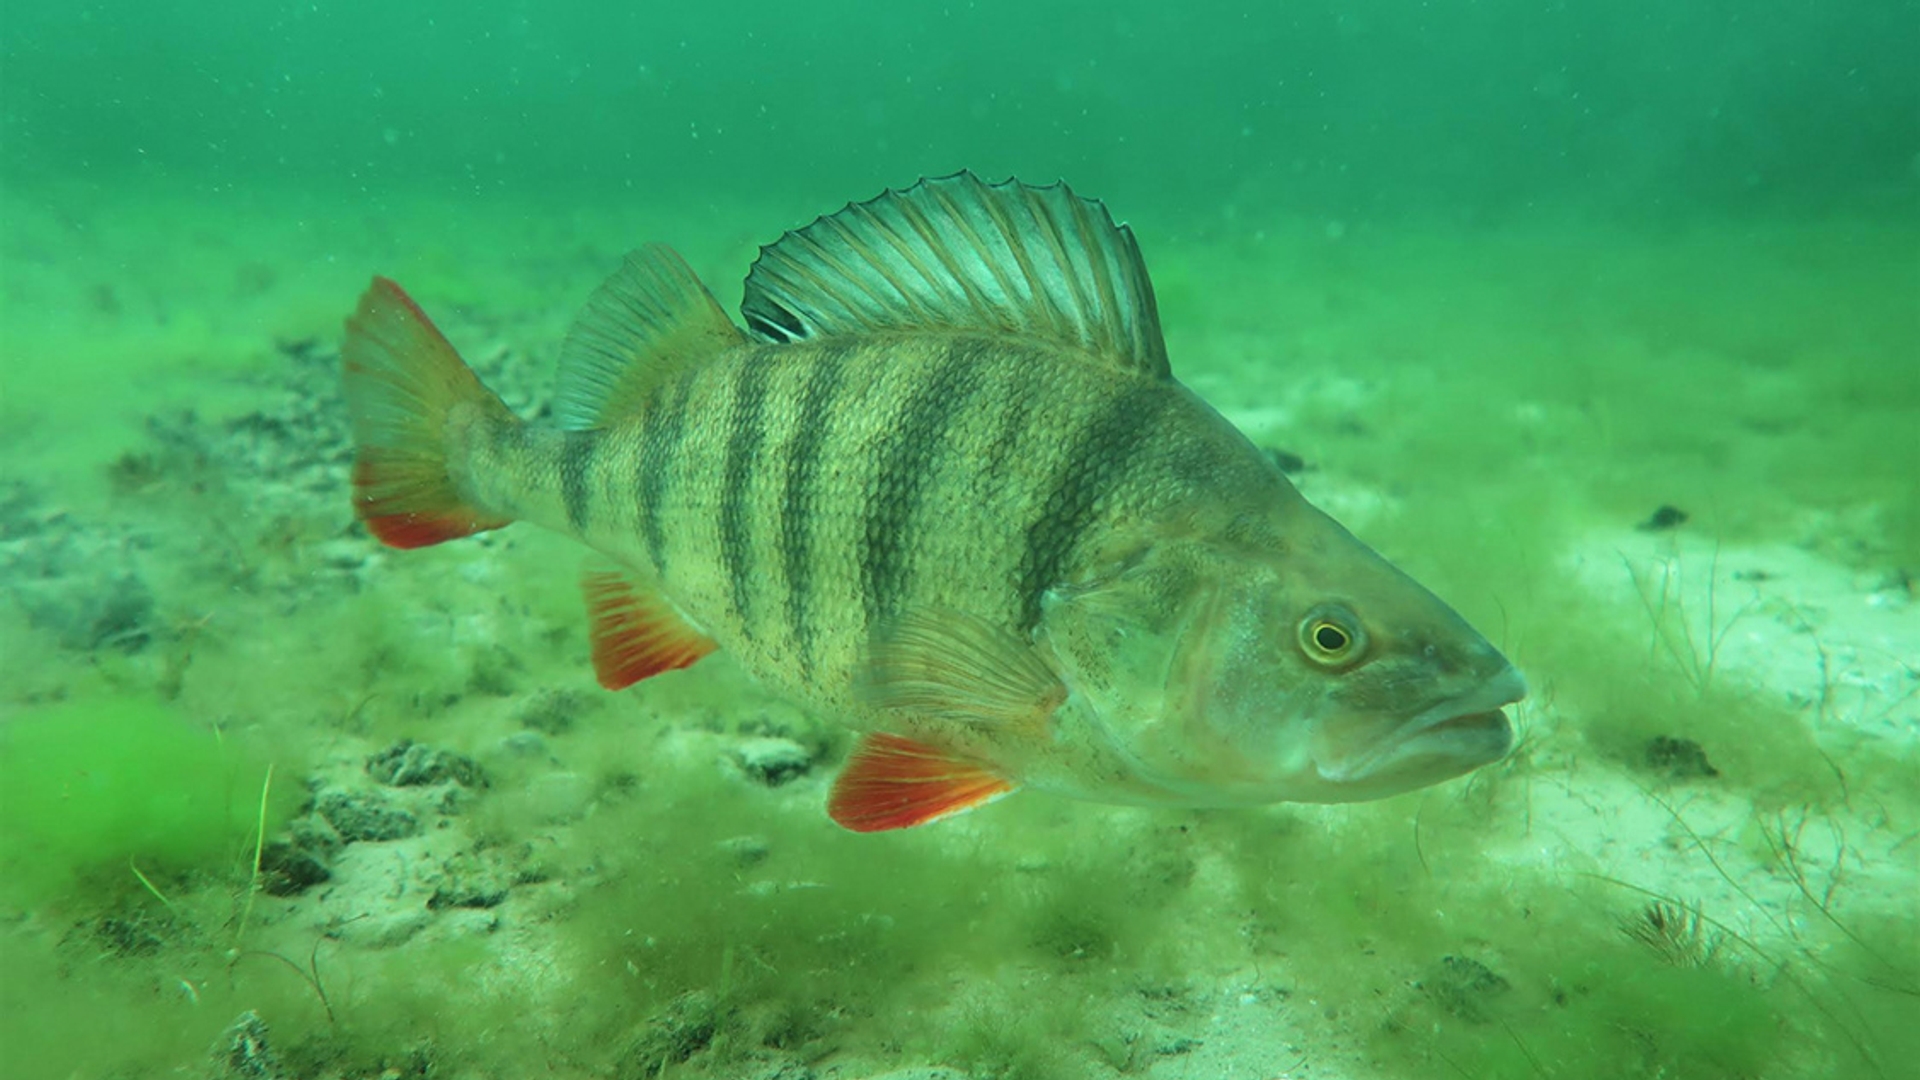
x,y
652,318
958,253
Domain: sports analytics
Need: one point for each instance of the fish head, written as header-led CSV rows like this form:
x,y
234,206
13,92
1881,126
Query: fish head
x,y
1309,671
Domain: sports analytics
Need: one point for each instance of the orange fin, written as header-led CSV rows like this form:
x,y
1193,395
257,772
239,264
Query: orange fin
x,y
636,634
403,381
949,665
895,783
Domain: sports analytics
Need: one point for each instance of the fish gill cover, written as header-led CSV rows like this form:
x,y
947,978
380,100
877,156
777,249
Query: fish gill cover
x,y
1596,320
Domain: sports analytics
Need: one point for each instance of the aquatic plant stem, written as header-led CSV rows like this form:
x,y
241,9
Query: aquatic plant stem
x,y
259,846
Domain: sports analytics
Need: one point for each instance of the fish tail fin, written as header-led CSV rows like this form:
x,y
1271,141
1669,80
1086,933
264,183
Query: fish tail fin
x,y
406,387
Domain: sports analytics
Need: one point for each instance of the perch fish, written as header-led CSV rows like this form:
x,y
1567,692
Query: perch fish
x,y
943,487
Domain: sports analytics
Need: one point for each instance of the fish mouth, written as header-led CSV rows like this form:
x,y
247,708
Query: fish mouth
x,y
1453,737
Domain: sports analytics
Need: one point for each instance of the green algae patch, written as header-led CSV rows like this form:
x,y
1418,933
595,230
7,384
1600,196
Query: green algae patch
x,y
1444,972
715,928
118,788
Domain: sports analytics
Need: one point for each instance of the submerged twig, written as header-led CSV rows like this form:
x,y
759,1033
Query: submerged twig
x,y
154,889
309,974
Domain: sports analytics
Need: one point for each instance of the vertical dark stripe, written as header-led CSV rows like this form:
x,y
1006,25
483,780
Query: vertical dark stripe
x,y
745,430
797,506
906,462
666,429
1019,390
1093,464
577,452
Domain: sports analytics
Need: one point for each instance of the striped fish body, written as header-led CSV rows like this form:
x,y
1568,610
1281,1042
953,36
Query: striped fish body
x,y
944,489
790,499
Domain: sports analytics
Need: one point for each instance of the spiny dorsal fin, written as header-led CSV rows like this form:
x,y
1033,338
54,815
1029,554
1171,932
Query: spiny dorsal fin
x,y
958,253
652,318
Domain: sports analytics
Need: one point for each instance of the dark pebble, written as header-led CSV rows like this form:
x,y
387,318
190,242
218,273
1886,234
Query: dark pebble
x,y
1664,518
286,870
553,711
363,815
408,763
1287,461
1682,759
1463,986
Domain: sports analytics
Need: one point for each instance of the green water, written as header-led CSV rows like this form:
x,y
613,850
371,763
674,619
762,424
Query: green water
x,y
1509,277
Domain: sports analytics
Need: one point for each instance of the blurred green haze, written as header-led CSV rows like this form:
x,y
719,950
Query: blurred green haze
x,y
1509,277
1474,107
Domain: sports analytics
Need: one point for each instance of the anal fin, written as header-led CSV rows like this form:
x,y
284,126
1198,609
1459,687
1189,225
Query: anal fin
x,y
892,782
636,633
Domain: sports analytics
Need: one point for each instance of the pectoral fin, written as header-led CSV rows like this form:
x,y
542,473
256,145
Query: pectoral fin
x,y
948,665
941,665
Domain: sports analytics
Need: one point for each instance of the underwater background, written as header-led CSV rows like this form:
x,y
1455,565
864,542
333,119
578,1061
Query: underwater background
x,y
1602,320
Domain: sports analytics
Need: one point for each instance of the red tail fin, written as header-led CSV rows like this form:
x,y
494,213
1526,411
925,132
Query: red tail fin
x,y
403,381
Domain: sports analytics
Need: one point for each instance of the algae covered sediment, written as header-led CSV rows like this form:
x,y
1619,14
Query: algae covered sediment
x,y
1699,861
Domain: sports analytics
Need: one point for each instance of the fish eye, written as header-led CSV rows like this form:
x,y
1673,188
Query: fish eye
x,y
1331,635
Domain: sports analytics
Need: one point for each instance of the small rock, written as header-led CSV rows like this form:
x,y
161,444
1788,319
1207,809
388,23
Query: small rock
x,y
366,815
312,832
1463,986
134,936
452,799
462,923
1664,518
383,931
302,349
242,1052
746,850
560,797
684,1028
1894,590
343,555
87,612
773,761
524,744
408,763
553,711
1681,759
1286,461
781,1070
287,870
492,674
1175,1045
470,881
